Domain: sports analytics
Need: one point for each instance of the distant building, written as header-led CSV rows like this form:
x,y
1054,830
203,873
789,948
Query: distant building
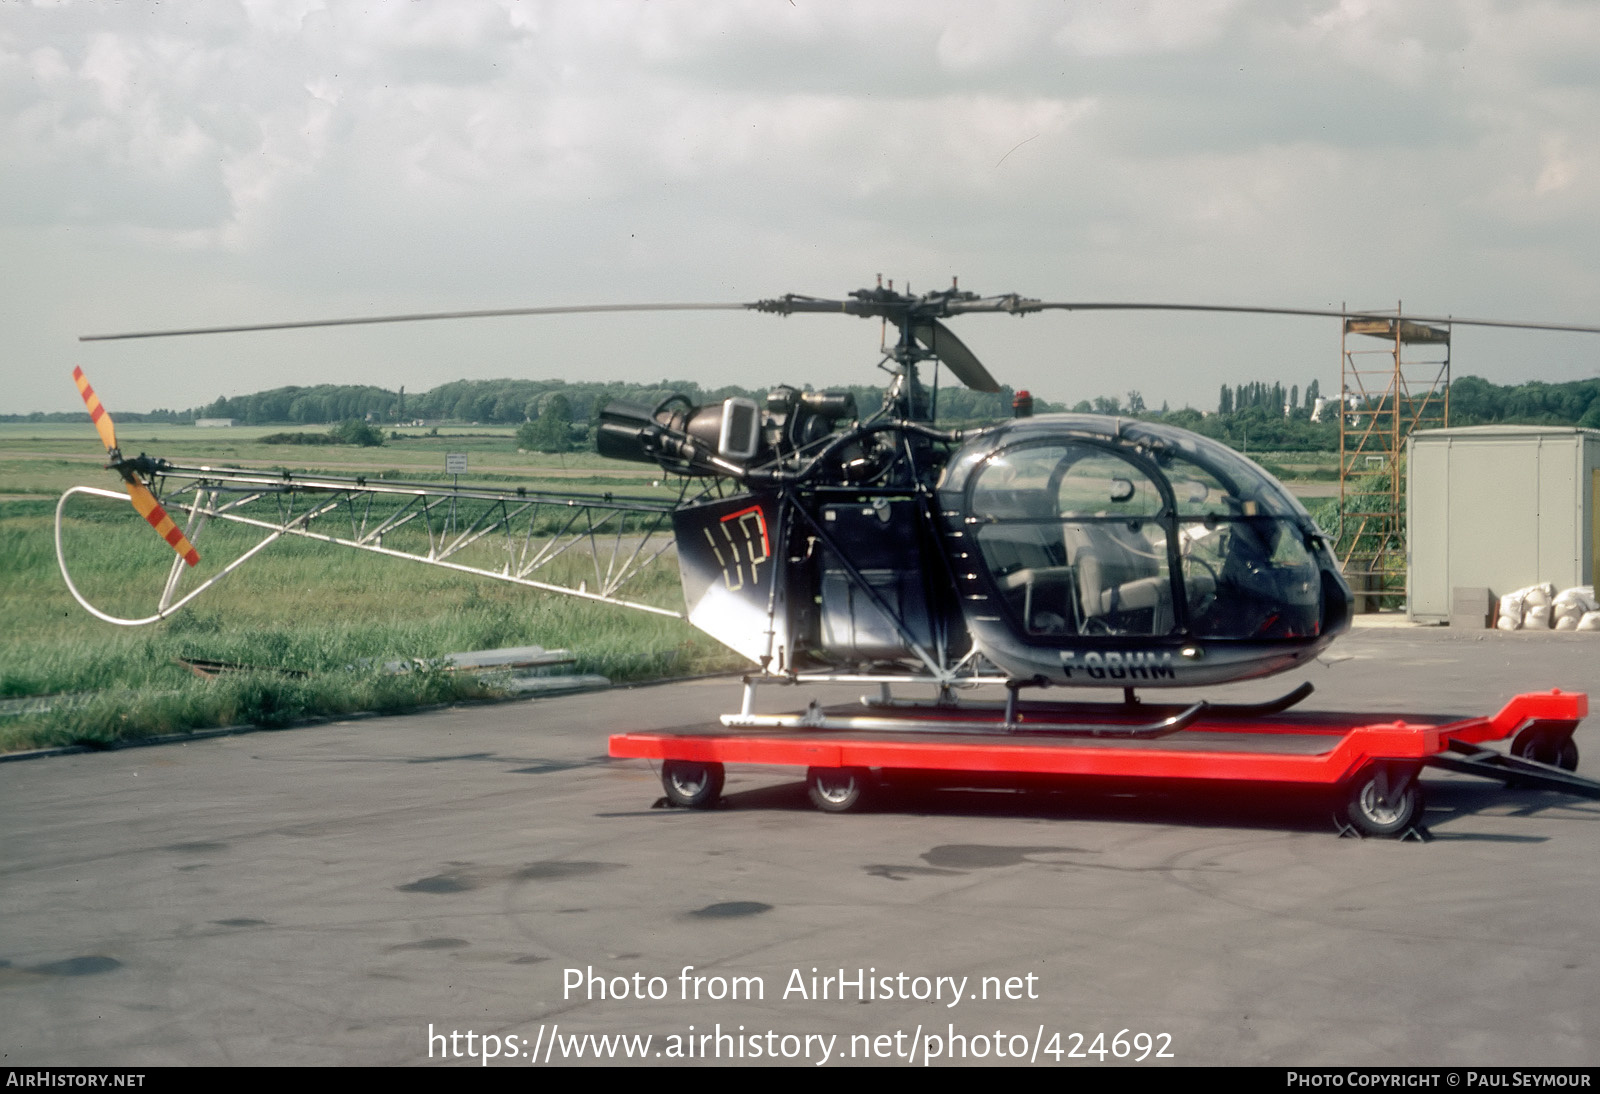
x,y
214,423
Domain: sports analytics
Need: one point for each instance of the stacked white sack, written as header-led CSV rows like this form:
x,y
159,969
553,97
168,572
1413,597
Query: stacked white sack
x,y
1527,607
1509,617
1536,608
1572,605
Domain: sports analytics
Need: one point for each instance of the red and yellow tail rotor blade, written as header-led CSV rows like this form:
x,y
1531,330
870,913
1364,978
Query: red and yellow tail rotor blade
x,y
143,500
150,509
102,420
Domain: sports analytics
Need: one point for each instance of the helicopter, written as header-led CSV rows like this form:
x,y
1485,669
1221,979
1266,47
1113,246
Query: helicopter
x,y
827,542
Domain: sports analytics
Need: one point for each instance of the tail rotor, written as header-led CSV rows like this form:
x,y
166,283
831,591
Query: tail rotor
x,y
144,502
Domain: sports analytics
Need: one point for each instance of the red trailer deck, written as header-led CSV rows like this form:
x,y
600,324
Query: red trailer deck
x,y
1371,760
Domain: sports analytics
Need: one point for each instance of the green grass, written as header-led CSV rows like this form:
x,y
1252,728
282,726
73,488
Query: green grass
x,y
309,619
413,455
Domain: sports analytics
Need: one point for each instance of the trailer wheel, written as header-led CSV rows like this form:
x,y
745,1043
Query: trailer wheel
x,y
838,789
1375,813
690,784
1545,747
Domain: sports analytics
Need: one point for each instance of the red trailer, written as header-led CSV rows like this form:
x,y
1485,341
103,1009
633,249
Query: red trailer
x,y
1370,763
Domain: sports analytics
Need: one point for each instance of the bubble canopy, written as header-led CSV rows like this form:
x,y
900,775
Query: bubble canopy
x,y
1088,527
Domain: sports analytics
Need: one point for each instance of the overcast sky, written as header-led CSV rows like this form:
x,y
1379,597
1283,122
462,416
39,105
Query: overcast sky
x,y
191,163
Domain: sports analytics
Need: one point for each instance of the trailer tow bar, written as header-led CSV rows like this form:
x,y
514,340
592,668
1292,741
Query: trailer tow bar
x,y
1471,759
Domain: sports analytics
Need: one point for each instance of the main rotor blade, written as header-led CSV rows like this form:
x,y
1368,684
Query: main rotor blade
x,y
954,353
1024,306
150,509
415,317
102,419
1011,304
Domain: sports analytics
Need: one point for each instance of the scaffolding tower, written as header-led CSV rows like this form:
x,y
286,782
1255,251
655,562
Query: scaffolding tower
x,y
1386,394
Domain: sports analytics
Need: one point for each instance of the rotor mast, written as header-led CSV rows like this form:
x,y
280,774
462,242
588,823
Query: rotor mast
x,y
906,397
921,335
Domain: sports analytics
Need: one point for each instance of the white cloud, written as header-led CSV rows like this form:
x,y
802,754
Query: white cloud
x,y
273,158
1097,28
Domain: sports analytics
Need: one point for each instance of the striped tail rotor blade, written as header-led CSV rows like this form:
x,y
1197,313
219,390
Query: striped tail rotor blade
x,y
150,509
102,420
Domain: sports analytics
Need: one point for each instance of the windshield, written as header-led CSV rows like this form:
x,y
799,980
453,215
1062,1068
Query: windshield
x,y
1081,538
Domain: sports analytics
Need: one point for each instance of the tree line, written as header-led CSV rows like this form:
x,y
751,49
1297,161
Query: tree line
x,y
514,402
1257,415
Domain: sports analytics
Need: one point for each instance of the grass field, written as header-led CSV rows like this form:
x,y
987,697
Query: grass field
x,y
309,619
46,458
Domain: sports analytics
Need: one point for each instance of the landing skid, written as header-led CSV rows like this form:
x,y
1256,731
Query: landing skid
x,y
1131,719
1261,710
